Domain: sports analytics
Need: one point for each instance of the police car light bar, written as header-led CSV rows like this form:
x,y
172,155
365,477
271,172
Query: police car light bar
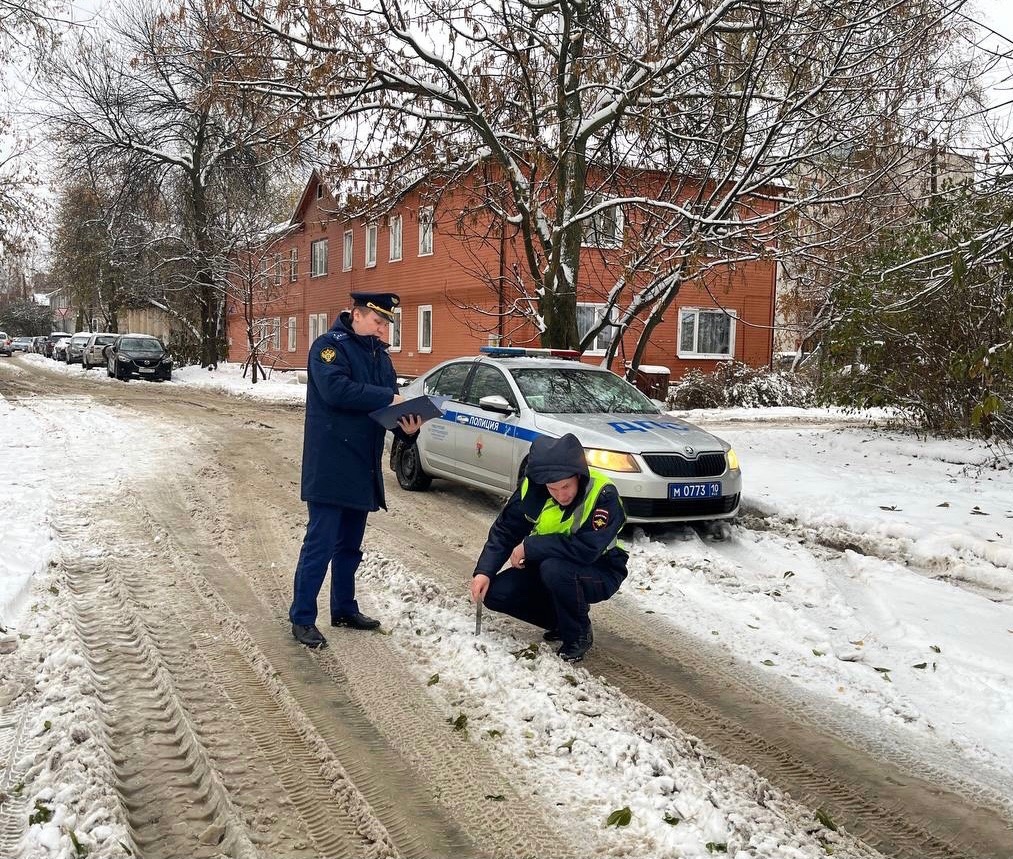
x,y
519,352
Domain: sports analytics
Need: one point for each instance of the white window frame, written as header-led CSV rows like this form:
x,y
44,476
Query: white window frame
x,y
424,311
317,326
293,323
396,249
691,353
320,190
371,245
394,336
599,309
346,251
318,260
277,269
267,333
592,235
293,265
426,239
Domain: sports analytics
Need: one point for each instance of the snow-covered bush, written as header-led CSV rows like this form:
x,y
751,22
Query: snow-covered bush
x,y
737,384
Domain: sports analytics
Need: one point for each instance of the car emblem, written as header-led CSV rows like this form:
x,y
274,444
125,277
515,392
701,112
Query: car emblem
x,y
689,450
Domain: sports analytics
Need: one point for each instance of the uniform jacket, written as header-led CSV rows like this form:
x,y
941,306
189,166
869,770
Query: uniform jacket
x,y
349,376
589,545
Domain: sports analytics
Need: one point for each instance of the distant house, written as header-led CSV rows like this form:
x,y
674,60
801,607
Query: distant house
x,y
443,259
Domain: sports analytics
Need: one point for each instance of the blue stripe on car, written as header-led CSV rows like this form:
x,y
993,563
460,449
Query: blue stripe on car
x,y
490,425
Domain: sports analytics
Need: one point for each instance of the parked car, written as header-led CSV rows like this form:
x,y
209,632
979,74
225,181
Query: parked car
x,y
60,348
138,355
666,469
93,354
57,345
5,343
51,341
39,345
21,344
75,346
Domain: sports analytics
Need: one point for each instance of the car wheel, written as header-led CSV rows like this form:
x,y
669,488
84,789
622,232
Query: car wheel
x,y
522,472
408,468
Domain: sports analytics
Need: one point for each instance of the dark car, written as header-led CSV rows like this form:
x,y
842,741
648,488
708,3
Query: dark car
x,y
138,355
51,341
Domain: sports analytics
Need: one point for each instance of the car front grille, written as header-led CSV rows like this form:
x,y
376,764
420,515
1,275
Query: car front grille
x,y
674,465
664,508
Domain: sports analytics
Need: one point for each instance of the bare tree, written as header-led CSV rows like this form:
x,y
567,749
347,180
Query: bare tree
x,y
154,96
687,123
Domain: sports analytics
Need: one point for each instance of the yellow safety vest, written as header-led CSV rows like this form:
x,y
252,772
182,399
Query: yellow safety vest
x,y
552,521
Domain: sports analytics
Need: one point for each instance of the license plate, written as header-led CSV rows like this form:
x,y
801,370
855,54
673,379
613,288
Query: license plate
x,y
694,490
146,369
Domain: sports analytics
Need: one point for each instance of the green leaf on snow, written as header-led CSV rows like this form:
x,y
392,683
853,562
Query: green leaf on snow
x,y
620,817
433,680
826,820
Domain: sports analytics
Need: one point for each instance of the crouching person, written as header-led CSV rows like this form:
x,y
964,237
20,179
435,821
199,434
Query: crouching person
x,y
560,533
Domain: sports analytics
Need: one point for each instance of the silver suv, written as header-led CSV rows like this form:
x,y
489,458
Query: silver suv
x,y
666,470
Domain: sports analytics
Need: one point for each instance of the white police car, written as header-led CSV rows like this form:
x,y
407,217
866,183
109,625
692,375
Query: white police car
x,y
666,470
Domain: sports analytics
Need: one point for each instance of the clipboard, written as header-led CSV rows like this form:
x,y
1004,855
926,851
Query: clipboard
x,y
425,407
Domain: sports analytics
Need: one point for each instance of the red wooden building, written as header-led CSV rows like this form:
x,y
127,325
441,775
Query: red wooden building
x,y
446,263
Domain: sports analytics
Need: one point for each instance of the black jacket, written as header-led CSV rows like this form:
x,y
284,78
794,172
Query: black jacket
x,y
551,460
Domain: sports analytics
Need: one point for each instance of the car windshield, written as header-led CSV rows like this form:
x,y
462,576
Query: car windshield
x,y
579,392
101,341
136,344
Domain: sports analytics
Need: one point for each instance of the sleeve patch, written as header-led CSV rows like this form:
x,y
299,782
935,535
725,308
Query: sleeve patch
x,y
327,355
600,518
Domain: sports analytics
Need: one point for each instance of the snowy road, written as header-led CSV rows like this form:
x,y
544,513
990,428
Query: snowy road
x,y
207,731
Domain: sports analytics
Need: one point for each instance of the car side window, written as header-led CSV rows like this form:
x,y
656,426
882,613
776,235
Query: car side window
x,y
489,381
448,382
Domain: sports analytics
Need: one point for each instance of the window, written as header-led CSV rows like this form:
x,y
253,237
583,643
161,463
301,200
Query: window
x,y
426,328
448,382
706,333
277,269
317,325
293,264
318,258
320,191
604,229
370,245
265,268
588,316
267,333
395,331
395,237
487,382
346,256
425,231
292,322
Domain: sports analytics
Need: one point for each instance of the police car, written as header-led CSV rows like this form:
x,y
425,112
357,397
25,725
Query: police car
x,y
666,470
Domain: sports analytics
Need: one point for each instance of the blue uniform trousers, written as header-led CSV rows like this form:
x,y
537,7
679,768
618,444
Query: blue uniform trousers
x,y
333,536
554,595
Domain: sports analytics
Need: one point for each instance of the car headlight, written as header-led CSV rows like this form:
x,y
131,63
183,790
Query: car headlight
x,y
611,460
123,358
166,360
733,460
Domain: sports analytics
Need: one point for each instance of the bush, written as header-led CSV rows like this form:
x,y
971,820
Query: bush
x,y
735,384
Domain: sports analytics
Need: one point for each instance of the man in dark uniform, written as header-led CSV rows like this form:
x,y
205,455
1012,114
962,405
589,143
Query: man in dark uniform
x,y
560,531
349,375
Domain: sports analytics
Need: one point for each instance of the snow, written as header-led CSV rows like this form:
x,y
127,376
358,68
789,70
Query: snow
x,y
873,574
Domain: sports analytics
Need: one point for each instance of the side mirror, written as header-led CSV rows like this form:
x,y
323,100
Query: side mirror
x,y
496,403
